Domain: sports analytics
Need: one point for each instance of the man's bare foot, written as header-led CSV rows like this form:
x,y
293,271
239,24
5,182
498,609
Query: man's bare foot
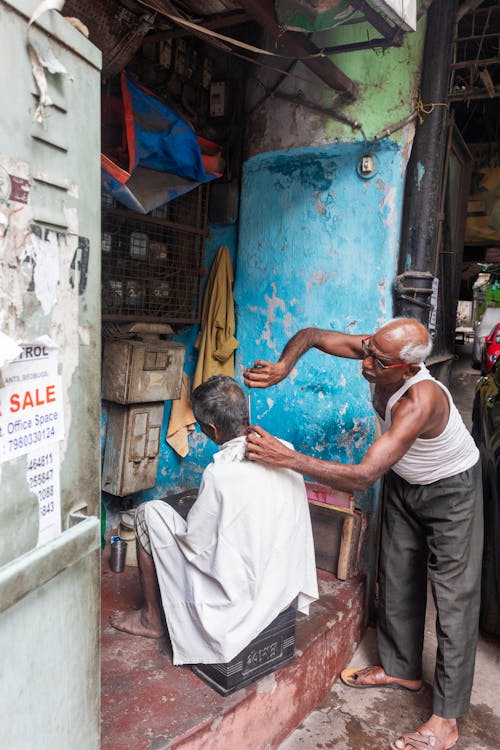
x,y
136,622
375,677
436,734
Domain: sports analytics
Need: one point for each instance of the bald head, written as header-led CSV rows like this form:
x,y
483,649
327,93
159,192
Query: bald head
x,y
408,337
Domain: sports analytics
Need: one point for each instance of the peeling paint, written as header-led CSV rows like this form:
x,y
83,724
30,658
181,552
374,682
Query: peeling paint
x,y
273,303
388,205
84,334
43,254
267,685
287,324
408,136
420,174
318,278
216,723
270,404
319,204
382,286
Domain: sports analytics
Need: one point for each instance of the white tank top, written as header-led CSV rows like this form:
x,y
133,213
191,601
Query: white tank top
x,y
436,458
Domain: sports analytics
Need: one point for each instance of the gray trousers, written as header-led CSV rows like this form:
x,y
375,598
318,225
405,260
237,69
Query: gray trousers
x,y
435,531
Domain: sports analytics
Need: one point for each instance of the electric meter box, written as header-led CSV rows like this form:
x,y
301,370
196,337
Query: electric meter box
x,y
132,447
142,371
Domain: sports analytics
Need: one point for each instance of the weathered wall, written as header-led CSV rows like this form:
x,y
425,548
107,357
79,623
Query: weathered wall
x,y
318,246
388,85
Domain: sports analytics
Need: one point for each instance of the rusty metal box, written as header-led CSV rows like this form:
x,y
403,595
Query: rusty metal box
x,y
271,649
142,371
132,447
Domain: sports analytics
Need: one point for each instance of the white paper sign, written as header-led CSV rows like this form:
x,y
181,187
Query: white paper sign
x,y
31,416
31,403
42,475
37,360
31,424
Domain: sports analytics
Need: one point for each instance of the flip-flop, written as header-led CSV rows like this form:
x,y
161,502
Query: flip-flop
x,y
352,677
419,741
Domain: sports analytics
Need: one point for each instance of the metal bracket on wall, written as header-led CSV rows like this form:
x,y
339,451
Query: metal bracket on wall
x,y
411,285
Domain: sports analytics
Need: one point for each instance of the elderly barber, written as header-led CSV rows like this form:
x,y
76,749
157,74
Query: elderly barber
x,y
432,521
242,556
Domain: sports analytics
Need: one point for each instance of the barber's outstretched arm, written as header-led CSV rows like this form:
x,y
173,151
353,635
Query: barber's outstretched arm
x,y
409,421
264,374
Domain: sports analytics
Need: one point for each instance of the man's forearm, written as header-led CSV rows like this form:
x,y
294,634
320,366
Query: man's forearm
x,y
330,342
298,345
344,477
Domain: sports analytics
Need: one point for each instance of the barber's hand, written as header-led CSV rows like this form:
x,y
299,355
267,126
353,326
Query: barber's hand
x,y
261,446
263,374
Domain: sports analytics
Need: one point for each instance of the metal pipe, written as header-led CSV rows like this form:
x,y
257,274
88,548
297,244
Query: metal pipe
x,y
299,100
340,49
424,175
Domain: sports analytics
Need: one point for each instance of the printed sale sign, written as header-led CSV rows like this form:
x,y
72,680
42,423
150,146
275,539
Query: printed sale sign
x,y
31,424
31,415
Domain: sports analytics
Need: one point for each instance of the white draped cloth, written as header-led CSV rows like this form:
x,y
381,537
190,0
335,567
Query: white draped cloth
x,y
243,555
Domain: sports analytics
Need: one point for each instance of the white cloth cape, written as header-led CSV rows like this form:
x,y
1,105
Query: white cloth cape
x,y
243,555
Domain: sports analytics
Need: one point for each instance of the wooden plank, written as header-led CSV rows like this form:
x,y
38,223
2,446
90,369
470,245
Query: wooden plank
x,y
337,536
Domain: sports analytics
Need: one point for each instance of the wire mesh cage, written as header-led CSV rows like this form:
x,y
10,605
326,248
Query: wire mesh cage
x,y
115,29
151,265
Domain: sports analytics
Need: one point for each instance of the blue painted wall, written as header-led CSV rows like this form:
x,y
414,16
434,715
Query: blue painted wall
x,y
318,246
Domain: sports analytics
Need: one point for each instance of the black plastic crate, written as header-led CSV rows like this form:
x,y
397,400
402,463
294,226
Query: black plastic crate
x,y
271,649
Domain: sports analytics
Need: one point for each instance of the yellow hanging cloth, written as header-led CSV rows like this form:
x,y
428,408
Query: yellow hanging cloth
x,y
181,421
216,342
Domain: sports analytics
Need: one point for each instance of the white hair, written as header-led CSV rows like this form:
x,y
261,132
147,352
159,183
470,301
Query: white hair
x,y
415,353
410,352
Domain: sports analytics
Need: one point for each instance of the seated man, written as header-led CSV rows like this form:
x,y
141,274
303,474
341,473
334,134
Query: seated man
x,y
243,554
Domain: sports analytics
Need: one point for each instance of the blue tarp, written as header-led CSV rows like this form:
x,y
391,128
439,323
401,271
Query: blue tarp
x,y
164,154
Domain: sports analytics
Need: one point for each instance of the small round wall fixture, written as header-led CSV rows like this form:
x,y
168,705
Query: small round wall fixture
x,y
365,167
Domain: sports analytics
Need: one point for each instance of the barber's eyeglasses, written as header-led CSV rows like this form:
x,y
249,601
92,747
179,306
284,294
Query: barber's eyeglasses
x,y
365,345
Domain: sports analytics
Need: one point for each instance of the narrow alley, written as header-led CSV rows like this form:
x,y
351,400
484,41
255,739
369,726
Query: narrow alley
x,y
368,719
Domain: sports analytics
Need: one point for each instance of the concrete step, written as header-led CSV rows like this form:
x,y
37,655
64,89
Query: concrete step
x,y
148,704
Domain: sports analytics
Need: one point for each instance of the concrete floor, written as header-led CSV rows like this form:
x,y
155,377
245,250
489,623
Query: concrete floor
x,y
351,719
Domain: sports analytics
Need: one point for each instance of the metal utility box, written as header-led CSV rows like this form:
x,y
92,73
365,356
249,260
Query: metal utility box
x,y
132,448
142,371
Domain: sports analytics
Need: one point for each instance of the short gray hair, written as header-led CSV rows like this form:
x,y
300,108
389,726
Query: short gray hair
x,y
411,352
221,401
415,353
